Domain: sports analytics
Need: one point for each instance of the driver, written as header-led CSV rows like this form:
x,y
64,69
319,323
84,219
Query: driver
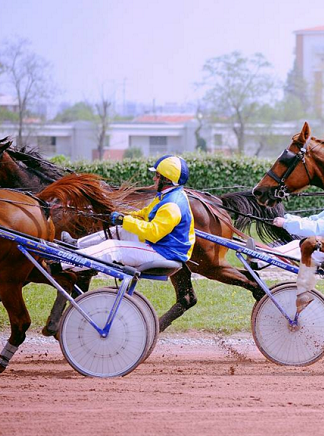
x,y
162,230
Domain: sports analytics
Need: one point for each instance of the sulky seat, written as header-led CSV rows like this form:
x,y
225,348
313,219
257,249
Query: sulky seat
x,y
160,268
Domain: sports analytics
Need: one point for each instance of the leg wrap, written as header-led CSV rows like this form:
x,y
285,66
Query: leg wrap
x,y
306,279
7,353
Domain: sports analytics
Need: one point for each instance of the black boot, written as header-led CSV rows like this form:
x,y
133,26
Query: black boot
x,y
67,238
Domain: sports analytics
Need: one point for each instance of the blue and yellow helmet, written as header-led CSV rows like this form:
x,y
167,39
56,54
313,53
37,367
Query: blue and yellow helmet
x,y
173,168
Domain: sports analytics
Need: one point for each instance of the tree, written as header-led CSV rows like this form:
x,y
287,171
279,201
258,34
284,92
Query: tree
x,y
28,77
102,109
79,111
237,87
200,141
295,104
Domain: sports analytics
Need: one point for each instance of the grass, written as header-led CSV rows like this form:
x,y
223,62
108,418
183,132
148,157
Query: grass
x,y
220,308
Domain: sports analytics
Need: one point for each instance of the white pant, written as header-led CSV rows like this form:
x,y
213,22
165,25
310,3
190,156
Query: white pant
x,y
293,249
127,251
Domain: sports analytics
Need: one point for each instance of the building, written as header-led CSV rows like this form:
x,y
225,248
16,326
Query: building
x,y
8,103
153,135
310,62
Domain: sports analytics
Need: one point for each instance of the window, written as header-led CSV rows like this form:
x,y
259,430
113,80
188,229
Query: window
x,y
158,144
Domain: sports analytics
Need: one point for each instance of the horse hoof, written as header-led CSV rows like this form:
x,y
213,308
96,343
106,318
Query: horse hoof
x,y
303,300
57,336
47,332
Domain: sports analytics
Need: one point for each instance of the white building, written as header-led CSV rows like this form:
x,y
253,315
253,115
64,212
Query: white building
x,y
310,62
153,135
8,103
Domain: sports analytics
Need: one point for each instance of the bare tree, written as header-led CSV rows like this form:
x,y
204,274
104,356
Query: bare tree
x,y
102,109
28,77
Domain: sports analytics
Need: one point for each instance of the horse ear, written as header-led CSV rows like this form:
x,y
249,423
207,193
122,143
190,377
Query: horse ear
x,y
5,143
305,133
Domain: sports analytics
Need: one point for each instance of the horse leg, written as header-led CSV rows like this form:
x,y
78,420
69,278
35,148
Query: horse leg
x,y
186,297
11,296
66,279
311,256
227,274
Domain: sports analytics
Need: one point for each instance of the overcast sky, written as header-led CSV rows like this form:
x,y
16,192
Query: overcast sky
x,y
144,50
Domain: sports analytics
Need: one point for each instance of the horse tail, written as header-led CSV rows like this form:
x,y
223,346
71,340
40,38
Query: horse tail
x,y
81,195
246,204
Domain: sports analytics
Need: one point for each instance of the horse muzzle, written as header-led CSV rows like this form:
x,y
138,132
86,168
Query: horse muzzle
x,y
269,196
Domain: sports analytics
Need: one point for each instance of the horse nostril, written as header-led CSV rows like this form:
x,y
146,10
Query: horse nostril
x,y
256,193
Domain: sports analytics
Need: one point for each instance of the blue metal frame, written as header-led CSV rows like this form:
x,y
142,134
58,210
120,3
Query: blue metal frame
x,y
128,275
256,255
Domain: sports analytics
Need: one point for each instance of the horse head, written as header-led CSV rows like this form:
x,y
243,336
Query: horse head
x,y
293,171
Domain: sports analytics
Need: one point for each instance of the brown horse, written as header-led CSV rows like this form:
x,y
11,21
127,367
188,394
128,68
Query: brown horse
x,y
299,166
208,258
31,215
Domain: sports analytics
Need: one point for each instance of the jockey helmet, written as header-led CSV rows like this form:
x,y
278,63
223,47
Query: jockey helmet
x,y
173,168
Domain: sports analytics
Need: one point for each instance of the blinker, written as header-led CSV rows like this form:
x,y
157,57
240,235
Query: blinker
x,y
286,157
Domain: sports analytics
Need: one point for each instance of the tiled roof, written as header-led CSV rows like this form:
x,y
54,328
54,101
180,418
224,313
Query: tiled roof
x,y
312,29
164,119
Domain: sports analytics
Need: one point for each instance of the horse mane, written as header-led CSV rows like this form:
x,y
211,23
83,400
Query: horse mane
x,y
84,198
246,203
31,161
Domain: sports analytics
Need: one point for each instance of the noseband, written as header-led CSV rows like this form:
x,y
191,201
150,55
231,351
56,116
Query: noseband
x,y
291,160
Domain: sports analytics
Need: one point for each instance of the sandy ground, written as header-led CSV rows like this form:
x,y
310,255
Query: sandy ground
x,y
193,384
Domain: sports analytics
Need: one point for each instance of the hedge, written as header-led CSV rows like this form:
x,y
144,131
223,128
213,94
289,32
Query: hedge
x,y
211,172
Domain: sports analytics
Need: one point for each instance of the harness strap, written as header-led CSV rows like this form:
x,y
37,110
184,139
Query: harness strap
x,y
215,212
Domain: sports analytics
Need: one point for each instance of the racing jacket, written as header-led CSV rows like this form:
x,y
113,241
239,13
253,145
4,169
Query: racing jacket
x,y
309,226
166,224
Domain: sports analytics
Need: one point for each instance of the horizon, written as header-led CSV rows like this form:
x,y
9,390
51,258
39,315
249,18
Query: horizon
x,y
151,53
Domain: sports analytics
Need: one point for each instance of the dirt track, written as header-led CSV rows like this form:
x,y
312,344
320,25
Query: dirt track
x,y
191,385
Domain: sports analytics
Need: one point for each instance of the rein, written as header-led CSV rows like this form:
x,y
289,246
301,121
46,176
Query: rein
x,y
44,205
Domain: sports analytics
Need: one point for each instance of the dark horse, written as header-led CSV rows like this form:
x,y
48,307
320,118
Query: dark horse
x,y
31,215
299,166
22,169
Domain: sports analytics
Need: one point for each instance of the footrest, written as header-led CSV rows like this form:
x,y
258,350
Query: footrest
x,y
160,268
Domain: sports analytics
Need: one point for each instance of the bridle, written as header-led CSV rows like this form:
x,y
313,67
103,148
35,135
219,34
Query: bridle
x,y
290,160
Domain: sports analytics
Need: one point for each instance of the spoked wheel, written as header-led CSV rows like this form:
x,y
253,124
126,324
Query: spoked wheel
x,y
285,345
152,321
273,288
116,355
151,318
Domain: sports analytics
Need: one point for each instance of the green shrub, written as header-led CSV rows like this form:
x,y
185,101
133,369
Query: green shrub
x,y
211,172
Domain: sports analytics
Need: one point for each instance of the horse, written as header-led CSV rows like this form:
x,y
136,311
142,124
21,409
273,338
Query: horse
x,y
300,165
208,259
32,215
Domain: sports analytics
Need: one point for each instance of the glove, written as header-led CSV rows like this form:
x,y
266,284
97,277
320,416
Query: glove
x,y
279,221
116,218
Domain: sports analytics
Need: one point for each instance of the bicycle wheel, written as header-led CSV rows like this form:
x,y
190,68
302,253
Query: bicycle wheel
x,y
282,344
116,355
151,317
272,288
153,321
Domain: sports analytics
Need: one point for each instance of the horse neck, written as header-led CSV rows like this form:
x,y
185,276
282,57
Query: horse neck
x,y
317,166
12,175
